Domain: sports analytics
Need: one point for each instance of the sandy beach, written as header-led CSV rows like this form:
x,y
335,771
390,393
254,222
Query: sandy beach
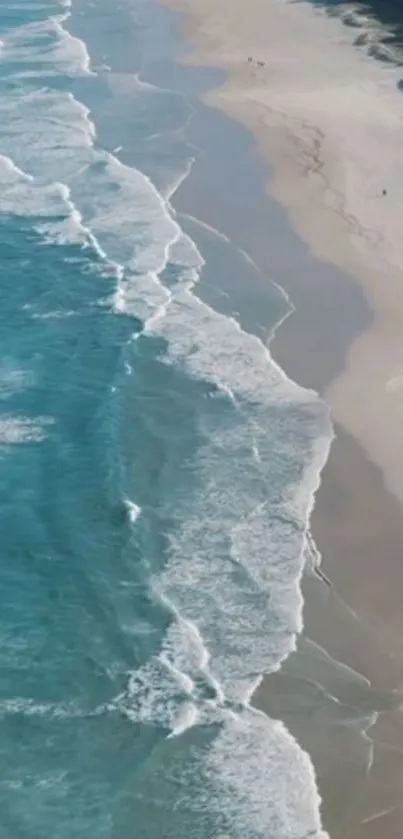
x,y
328,119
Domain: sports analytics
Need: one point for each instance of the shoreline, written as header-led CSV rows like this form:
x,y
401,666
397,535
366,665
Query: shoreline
x,y
283,341
356,742
317,177
360,625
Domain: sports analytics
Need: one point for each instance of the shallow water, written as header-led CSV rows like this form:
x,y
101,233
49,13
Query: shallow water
x,y
158,467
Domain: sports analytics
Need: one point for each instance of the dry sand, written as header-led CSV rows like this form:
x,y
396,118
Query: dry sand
x,y
329,121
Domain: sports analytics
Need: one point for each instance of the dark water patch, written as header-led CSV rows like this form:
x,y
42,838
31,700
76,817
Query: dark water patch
x,y
380,25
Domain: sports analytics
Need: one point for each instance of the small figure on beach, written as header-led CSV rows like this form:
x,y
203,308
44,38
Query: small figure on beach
x,y
260,64
384,192
250,59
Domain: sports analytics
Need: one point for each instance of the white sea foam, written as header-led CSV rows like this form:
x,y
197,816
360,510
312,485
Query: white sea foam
x,y
238,550
133,510
15,430
57,314
280,799
10,173
45,48
22,195
32,781
22,706
176,182
12,378
187,718
44,121
165,690
145,228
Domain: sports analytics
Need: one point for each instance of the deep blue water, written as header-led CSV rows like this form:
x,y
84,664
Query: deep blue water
x,y
157,467
379,24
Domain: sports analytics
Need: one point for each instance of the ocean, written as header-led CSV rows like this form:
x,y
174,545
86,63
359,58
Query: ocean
x,y
158,466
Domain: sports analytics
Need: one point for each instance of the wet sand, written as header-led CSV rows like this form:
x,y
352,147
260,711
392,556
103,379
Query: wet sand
x,y
358,620
360,524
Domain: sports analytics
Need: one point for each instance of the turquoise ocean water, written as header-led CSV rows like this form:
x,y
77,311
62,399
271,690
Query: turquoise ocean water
x,y
157,467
